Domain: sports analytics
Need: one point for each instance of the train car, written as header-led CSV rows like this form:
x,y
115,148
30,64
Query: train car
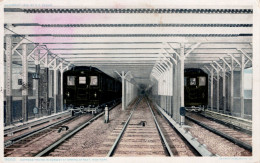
x,y
195,89
86,88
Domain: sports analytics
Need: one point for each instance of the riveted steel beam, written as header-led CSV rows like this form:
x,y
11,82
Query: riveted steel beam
x,y
25,85
244,53
234,58
9,93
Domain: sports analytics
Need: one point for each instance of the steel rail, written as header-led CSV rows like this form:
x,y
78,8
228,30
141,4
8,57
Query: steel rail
x,y
233,140
34,122
29,134
229,123
167,147
112,149
67,136
200,148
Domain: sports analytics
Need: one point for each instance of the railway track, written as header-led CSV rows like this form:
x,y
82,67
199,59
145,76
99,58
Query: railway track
x,y
31,143
178,145
141,125
219,139
10,140
231,121
53,146
241,139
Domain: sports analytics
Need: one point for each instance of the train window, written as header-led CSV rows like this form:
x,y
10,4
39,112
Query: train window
x,y
202,81
71,80
93,80
192,81
82,80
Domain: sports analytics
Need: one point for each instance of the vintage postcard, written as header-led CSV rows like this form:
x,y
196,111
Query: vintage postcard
x,y
131,81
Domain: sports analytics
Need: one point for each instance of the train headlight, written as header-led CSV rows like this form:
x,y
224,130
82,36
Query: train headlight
x,y
95,94
68,94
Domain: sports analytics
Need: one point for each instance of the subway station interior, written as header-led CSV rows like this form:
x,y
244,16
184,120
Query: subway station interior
x,y
101,70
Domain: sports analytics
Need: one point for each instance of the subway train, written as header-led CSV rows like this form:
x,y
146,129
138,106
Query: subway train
x,y
89,89
195,89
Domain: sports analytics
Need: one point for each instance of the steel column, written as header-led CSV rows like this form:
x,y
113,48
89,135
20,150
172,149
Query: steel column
x,y
224,87
217,89
228,93
55,92
232,87
9,94
211,88
161,102
37,82
25,85
242,85
174,92
61,89
45,88
123,91
171,90
182,57
177,93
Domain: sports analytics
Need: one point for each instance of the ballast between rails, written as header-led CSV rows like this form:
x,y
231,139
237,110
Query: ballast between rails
x,y
236,141
200,148
167,147
163,140
67,136
26,135
112,149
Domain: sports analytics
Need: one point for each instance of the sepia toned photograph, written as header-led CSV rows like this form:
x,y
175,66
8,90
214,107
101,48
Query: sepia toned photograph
x,y
162,82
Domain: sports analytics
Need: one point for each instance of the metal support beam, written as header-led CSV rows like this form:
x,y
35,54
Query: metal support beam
x,y
37,82
123,91
224,87
45,88
25,84
32,52
193,47
242,78
17,45
9,94
18,53
214,67
226,62
44,58
53,60
244,53
232,87
61,88
174,51
174,60
217,89
55,84
218,65
182,57
234,58
123,77
211,87
174,92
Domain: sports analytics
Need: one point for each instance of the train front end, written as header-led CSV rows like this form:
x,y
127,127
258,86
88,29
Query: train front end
x,y
195,90
81,89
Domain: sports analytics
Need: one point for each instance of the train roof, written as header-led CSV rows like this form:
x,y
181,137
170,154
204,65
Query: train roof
x,y
89,68
86,68
194,71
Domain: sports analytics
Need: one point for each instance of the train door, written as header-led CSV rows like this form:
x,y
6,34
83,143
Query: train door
x,y
82,87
